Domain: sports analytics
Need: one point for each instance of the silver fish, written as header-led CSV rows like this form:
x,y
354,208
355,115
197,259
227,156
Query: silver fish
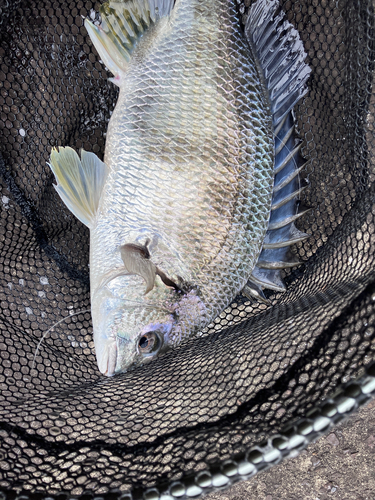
x,y
179,212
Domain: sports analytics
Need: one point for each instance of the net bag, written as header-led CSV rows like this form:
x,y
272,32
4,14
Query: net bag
x,y
261,381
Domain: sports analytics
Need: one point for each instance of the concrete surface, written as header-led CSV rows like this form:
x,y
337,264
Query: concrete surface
x,y
340,465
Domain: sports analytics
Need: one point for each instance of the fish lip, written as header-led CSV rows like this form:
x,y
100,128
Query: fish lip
x,y
108,361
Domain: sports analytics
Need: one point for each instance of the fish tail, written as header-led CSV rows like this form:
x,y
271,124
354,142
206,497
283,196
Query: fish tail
x,y
79,181
123,22
281,55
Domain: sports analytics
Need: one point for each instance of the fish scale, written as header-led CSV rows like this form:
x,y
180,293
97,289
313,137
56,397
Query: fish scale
x,y
187,186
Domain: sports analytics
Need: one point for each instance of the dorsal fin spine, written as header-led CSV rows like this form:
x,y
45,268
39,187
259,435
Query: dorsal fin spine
x,y
281,58
275,40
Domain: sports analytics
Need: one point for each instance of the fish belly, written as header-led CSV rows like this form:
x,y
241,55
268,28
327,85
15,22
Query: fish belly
x,y
190,152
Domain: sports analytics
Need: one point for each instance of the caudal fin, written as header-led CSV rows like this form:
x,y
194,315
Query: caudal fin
x,y
80,181
123,23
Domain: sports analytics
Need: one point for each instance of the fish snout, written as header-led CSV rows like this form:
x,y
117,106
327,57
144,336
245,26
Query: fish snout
x,y
107,357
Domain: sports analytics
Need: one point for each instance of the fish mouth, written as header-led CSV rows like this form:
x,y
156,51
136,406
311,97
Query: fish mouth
x,y
108,359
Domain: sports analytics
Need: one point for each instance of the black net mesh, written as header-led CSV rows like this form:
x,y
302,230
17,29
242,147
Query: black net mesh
x,y
257,368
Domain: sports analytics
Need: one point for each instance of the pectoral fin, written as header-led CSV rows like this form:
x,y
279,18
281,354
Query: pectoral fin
x,y
136,260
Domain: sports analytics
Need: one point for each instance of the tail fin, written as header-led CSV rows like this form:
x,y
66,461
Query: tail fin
x,y
80,181
281,56
123,23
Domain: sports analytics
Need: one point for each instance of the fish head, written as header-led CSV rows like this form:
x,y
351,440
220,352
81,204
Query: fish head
x,y
127,333
132,332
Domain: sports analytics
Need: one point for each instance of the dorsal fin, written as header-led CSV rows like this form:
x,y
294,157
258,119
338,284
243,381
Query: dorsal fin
x,y
281,58
281,54
123,22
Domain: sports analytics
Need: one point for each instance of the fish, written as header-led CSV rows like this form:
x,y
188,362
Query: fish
x,y
196,199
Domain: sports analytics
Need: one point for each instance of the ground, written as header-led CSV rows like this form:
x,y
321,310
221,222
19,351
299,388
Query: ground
x,y
340,465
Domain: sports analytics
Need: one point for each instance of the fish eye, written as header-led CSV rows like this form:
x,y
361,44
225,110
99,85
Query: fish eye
x,y
149,343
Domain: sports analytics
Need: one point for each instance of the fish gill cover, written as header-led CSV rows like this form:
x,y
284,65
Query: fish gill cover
x,y
192,418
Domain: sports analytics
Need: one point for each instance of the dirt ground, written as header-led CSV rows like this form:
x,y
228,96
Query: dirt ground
x,y
340,465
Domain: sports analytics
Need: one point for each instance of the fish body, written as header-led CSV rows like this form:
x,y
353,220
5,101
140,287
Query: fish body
x,y
188,182
188,167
